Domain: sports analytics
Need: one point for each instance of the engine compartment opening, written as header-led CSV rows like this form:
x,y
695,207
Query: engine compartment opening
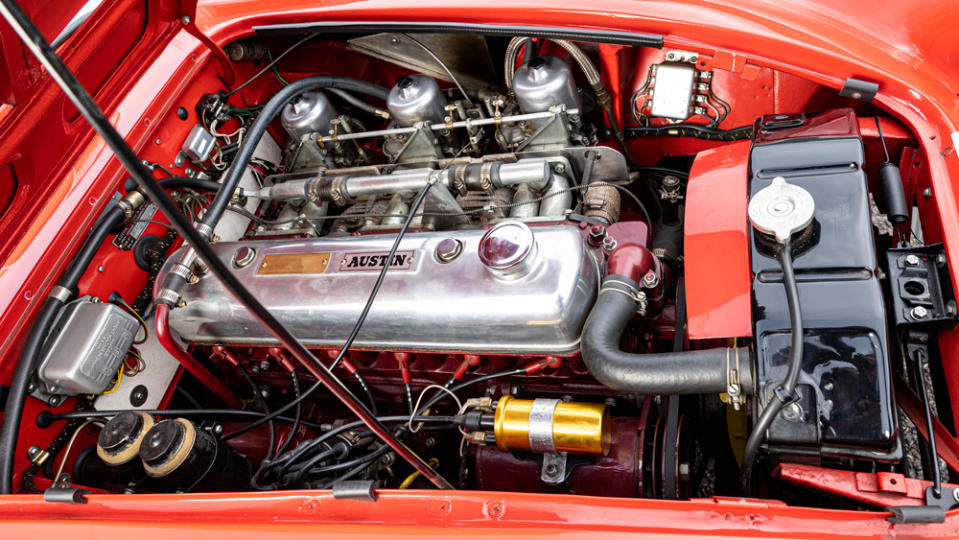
x,y
545,265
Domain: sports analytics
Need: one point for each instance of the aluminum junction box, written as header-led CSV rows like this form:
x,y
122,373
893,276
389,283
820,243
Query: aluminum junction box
x,y
86,347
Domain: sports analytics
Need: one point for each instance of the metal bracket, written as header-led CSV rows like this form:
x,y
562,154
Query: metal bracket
x,y
734,388
921,288
553,471
356,490
858,89
61,491
933,512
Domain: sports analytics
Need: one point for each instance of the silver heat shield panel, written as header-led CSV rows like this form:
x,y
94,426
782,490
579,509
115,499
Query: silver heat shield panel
x,y
317,288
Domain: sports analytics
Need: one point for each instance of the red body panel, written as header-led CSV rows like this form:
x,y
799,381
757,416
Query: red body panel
x,y
908,50
717,245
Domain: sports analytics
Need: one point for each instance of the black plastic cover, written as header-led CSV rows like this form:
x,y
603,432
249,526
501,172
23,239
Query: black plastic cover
x,y
846,405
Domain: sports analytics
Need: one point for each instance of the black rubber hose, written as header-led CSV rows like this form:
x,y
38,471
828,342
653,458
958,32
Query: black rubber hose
x,y
113,217
192,183
13,410
269,111
27,365
686,372
788,386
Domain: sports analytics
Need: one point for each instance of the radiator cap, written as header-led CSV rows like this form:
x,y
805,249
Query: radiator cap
x,y
781,209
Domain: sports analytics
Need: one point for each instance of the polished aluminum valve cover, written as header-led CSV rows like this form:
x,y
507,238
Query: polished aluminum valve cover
x,y
429,301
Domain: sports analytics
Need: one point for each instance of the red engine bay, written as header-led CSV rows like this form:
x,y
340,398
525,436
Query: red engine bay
x,y
512,260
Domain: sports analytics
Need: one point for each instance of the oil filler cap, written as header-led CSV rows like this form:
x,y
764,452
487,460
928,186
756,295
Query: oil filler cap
x,y
781,209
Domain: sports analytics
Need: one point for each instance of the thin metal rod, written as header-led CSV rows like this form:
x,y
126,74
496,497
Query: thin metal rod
x,y
442,127
77,94
919,358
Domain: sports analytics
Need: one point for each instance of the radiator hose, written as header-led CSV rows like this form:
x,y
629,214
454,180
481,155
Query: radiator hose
x,y
684,372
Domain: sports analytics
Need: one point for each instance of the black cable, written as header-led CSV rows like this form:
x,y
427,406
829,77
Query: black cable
x,y
296,415
113,217
258,398
17,396
882,140
409,397
191,183
788,386
366,387
45,418
30,355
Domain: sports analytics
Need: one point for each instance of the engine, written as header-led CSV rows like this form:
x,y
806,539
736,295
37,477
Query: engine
x,y
526,291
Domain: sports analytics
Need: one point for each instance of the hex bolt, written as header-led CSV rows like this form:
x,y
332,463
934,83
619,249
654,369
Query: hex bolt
x,y
912,260
388,459
609,243
264,365
792,412
650,280
551,469
919,313
429,442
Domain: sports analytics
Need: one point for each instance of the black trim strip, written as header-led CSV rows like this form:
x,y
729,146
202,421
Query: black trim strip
x,y
576,34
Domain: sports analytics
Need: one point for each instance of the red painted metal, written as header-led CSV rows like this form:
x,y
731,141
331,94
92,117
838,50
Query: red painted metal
x,y
429,514
633,261
717,245
188,362
817,39
881,489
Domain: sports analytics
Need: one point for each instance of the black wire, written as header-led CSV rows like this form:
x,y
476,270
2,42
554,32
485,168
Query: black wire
x,y
257,397
882,139
296,416
409,397
788,385
366,388
46,417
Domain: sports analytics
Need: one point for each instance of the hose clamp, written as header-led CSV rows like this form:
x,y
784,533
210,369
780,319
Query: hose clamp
x,y
486,177
167,296
62,294
637,296
181,270
785,396
734,388
205,230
